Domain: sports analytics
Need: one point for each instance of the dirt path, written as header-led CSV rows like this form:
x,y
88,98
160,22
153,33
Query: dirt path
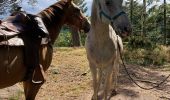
x,y
65,81
11,93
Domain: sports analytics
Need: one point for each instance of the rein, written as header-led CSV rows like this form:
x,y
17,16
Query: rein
x,y
107,16
134,81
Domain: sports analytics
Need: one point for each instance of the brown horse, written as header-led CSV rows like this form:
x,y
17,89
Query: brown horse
x,y
12,69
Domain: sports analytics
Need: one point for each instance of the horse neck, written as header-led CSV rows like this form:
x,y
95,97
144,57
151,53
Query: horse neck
x,y
53,22
100,29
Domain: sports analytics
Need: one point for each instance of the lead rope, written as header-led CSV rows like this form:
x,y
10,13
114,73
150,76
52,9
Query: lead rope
x,y
163,81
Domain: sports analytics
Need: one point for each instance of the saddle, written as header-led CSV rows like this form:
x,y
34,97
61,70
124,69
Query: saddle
x,y
30,29
12,26
22,23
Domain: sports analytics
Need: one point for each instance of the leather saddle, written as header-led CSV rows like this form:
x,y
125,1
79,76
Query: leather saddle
x,y
12,26
22,23
30,29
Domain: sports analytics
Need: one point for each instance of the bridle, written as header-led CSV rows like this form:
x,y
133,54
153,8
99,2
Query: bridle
x,y
112,19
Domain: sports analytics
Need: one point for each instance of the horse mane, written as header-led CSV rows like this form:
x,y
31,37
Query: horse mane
x,y
53,13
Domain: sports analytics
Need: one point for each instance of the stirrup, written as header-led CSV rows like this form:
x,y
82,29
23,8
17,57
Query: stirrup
x,y
37,82
42,76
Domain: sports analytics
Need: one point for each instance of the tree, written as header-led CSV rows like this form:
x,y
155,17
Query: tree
x,y
32,2
8,6
165,22
75,36
144,18
131,10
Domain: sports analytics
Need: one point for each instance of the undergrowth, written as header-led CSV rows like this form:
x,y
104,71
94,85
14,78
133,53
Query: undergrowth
x,y
157,56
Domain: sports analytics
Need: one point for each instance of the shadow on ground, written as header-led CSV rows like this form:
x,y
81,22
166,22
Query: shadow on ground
x,y
128,89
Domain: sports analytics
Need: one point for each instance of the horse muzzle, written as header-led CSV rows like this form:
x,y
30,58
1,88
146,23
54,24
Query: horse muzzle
x,y
86,26
123,30
122,25
126,31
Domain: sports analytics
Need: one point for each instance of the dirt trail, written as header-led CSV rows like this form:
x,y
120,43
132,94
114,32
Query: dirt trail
x,y
11,93
65,81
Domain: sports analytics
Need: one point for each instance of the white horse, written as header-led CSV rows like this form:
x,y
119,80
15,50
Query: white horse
x,y
103,45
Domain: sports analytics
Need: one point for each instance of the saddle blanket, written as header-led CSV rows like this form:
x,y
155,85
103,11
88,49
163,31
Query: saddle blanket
x,y
16,41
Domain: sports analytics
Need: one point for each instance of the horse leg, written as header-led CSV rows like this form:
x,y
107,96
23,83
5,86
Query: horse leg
x,y
31,89
108,81
115,78
99,79
94,76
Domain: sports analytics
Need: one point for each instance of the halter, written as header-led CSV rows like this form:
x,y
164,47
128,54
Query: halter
x,y
107,16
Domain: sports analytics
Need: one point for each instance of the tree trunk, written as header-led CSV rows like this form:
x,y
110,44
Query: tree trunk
x,y
165,34
144,18
131,13
75,36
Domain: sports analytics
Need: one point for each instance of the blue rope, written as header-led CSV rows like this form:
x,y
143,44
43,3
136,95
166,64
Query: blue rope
x,y
106,15
111,18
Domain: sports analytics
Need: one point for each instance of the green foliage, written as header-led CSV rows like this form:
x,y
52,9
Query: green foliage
x,y
142,56
137,42
152,25
64,39
32,2
146,51
8,6
82,38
